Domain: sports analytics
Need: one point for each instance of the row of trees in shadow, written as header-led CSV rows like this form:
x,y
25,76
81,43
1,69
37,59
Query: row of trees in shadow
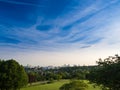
x,y
68,72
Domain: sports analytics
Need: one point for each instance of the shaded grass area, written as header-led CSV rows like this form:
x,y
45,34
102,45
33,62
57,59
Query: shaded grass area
x,y
54,86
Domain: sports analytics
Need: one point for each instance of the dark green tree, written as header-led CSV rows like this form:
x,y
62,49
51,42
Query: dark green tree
x,y
74,85
57,76
12,75
107,73
32,77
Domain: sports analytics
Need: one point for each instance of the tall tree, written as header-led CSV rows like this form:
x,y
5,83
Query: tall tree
x,y
12,75
107,73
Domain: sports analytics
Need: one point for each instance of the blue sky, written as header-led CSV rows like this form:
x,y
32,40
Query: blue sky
x,y
57,32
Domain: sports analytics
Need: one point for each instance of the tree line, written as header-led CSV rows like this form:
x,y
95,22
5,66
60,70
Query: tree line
x,y
68,72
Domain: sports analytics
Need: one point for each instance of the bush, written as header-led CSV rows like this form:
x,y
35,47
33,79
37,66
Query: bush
x,y
74,85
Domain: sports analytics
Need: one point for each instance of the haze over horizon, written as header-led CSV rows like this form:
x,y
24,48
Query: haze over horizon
x,y
58,32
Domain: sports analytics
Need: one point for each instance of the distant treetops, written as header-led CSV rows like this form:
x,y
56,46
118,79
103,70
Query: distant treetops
x,y
12,75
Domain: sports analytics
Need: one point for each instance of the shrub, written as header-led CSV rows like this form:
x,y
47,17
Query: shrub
x,y
74,85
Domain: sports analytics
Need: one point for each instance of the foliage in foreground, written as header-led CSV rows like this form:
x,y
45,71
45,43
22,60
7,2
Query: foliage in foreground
x,y
74,85
107,73
12,75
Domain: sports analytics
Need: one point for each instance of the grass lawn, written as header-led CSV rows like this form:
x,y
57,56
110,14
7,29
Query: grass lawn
x,y
54,86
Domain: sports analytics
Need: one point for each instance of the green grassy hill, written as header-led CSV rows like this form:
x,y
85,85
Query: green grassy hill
x,y
54,86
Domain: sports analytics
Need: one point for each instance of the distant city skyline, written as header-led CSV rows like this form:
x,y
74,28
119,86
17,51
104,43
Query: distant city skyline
x,y
58,32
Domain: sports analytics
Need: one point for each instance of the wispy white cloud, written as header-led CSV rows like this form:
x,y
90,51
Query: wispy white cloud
x,y
22,3
80,33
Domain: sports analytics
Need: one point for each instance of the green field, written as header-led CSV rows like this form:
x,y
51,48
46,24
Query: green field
x,y
54,86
